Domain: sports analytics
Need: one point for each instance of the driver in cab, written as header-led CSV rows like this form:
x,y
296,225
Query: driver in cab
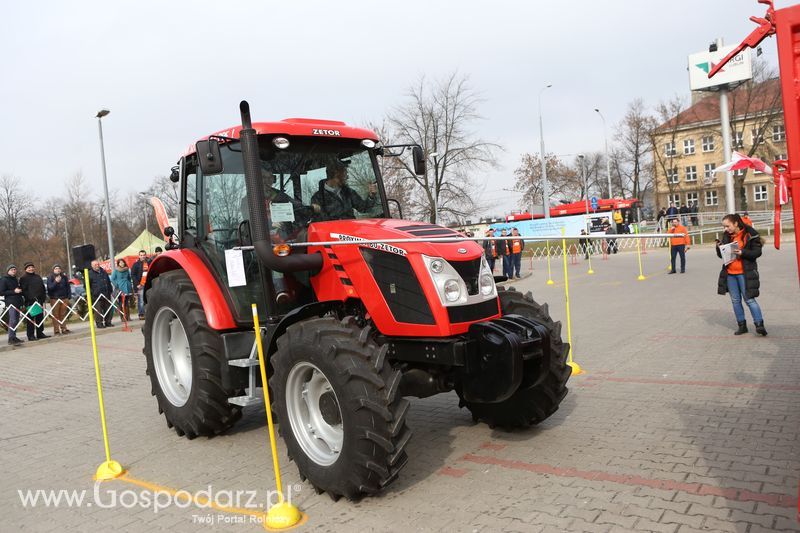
x,y
335,200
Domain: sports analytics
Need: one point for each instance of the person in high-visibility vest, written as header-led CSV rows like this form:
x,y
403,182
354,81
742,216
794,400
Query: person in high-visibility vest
x,y
490,249
516,247
504,249
679,245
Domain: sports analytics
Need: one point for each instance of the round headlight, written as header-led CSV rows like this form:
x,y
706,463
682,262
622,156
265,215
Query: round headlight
x,y
451,290
368,143
437,265
487,284
281,143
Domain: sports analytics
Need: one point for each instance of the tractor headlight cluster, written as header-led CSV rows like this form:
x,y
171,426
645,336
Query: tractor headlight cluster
x,y
452,290
486,279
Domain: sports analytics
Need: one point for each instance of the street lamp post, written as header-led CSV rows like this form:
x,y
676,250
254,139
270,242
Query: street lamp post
x,y
608,161
545,183
99,117
433,156
585,183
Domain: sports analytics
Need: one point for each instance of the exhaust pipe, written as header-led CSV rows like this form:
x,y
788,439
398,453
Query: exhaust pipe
x,y
260,220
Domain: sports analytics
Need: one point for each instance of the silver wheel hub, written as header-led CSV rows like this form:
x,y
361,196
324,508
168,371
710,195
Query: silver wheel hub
x,y
314,413
172,356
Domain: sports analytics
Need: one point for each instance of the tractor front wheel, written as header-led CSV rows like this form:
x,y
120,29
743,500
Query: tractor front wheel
x,y
341,416
539,395
184,359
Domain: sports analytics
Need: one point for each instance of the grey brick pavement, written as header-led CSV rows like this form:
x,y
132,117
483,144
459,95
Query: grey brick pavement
x,y
677,426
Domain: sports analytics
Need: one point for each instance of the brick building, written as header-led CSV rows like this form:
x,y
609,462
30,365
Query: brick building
x,y
688,147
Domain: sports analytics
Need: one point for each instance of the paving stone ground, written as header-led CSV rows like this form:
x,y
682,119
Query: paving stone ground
x,y
677,426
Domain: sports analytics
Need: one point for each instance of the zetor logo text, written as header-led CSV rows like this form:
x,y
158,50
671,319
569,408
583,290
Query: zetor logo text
x,y
374,245
335,133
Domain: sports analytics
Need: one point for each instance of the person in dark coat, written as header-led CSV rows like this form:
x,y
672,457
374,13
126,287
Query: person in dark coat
x,y
335,200
684,212
59,291
138,278
740,277
100,285
515,246
504,250
662,214
12,295
490,249
694,214
672,213
34,293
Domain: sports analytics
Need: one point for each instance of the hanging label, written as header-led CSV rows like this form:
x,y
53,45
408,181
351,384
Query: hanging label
x,y
234,264
282,212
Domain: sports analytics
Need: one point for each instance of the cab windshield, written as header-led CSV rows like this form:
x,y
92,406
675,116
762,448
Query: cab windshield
x,y
312,180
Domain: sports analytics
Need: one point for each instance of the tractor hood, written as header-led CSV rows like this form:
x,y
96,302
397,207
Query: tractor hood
x,y
411,288
376,229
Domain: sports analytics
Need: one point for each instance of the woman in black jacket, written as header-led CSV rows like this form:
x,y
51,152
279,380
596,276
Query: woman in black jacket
x,y
740,277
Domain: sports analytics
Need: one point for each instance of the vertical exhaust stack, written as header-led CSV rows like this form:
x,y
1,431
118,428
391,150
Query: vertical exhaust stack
x,y
259,212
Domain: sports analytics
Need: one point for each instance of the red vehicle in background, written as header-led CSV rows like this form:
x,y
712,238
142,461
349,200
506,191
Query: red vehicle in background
x,y
628,209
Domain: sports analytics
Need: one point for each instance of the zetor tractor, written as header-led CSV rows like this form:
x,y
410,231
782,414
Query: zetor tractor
x,y
292,216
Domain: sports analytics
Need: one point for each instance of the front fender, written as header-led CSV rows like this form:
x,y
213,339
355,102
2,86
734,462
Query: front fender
x,y
215,305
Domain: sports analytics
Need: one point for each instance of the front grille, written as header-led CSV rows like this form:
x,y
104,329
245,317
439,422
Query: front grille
x,y
470,313
469,271
399,286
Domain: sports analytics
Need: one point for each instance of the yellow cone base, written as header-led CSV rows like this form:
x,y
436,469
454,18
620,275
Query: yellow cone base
x,y
282,516
576,368
590,271
551,282
641,278
108,470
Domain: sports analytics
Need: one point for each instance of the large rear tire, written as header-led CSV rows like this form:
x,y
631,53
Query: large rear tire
x,y
184,359
341,416
538,396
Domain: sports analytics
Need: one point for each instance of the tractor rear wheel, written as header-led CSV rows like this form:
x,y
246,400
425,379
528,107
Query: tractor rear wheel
x,y
184,359
538,396
341,416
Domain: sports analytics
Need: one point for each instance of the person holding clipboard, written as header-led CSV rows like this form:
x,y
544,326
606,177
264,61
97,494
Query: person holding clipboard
x,y
739,248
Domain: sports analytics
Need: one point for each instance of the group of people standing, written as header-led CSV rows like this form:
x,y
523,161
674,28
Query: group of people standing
x,y
27,294
510,250
684,214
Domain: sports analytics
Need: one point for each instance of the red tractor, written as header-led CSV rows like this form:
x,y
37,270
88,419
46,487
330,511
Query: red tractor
x,y
292,216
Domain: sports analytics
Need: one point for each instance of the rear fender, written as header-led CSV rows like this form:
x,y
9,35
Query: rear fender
x,y
215,305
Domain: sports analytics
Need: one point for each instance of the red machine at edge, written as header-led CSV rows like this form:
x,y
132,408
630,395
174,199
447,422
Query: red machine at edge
x,y
785,25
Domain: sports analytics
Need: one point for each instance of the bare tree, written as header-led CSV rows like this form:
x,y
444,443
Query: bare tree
x,y
15,208
439,118
635,150
399,185
665,155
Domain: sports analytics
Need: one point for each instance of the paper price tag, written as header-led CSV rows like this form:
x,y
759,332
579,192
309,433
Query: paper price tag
x,y
234,264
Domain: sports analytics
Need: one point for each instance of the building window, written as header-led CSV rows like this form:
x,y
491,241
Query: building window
x,y
691,173
688,147
758,136
672,175
778,132
737,139
711,198
708,143
669,149
760,193
691,198
675,199
708,172
740,173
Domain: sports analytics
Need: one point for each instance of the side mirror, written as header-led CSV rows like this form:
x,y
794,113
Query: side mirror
x,y
420,165
169,231
209,157
175,175
392,201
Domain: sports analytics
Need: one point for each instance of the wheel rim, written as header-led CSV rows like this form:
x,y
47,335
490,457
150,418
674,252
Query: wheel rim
x,y
314,413
172,356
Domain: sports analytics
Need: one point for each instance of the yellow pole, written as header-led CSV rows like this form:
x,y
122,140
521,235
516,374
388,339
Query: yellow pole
x,y
590,247
669,244
549,274
109,469
639,253
283,514
576,368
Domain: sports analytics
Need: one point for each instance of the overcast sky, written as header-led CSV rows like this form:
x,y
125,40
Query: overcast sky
x,y
173,71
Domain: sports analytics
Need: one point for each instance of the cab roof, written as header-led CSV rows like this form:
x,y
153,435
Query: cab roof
x,y
301,127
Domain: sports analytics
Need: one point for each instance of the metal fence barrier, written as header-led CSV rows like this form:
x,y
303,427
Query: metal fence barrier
x,y
79,310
